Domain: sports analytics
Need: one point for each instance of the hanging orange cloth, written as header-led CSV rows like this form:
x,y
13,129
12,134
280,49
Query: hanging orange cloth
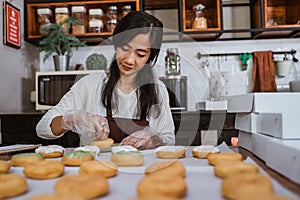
x,y
263,72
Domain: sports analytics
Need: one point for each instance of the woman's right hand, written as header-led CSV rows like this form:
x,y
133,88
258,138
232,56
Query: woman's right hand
x,y
83,122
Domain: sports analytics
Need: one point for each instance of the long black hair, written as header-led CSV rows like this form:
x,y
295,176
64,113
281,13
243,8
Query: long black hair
x,y
133,24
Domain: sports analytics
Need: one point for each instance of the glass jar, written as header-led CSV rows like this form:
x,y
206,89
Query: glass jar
x,y
79,14
95,14
125,10
172,62
44,19
111,25
95,26
112,13
61,15
200,22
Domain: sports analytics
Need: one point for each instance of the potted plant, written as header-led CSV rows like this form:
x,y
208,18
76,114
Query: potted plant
x,y
57,41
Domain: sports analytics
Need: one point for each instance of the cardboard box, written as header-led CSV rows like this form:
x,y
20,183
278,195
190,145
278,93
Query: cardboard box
x,y
283,156
246,122
281,125
245,140
269,102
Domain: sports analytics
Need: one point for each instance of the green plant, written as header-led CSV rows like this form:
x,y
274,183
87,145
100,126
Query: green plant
x,y
57,39
96,62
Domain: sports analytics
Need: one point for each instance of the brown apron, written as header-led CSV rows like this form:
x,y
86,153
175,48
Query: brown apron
x,y
122,127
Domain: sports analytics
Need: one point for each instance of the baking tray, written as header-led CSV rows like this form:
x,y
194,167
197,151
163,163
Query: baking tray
x,y
7,151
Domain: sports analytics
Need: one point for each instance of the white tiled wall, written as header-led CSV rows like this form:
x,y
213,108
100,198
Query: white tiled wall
x,y
237,80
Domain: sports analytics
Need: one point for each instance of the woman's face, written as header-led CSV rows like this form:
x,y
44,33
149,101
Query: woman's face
x,y
133,55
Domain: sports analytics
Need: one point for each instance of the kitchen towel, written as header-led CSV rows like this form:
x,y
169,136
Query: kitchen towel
x,y
263,72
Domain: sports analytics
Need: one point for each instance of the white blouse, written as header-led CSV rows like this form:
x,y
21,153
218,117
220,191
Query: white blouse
x,y
85,95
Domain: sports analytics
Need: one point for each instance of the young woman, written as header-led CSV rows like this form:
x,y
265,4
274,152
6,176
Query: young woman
x,y
127,103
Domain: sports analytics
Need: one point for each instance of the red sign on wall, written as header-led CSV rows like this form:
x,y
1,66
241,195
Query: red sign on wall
x,y
12,25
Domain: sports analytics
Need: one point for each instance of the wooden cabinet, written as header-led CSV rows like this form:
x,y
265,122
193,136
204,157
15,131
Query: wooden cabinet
x,y
31,18
276,18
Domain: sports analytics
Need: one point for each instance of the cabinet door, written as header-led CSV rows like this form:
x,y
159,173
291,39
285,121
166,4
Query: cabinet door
x,y
32,31
277,18
201,18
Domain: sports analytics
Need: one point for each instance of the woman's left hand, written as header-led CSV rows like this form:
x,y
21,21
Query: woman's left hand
x,y
143,139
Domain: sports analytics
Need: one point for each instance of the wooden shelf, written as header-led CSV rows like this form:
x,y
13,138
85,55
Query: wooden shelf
x,y
31,26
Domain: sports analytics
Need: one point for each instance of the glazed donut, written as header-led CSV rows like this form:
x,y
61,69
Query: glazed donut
x,y
50,151
212,158
87,186
239,185
22,159
173,167
94,149
170,152
75,158
45,169
56,197
4,167
126,156
12,185
165,185
224,169
104,168
103,144
204,150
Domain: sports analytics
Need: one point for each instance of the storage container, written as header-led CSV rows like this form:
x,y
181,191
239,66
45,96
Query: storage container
x,y
79,14
44,19
61,15
111,25
95,20
125,10
112,13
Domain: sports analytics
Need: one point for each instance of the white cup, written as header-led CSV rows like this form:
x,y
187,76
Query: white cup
x,y
283,67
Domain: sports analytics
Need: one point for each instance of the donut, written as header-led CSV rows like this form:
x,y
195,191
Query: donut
x,y
45,169
126,156
75,158
50,151
87,186
234,187
173,167
56,197
224,169
94,149
105,168
170,152
4,167
103,144
212,158
164,185
203,151
12,185
22,159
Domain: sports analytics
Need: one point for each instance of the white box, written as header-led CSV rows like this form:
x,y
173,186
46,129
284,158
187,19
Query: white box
x,y
269,102
284,157
211,105
259,144
280,125
245,140
246,122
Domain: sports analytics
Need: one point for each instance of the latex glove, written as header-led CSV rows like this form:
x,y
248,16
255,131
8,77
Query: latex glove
x,y
143,139
84,123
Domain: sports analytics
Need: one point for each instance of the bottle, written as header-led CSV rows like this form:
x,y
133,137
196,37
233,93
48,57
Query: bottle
x,y
79,14
44,19
200,22
125,10
112,13
172,62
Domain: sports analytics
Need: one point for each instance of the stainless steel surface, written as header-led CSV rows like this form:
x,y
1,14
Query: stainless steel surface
x,y
61,63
